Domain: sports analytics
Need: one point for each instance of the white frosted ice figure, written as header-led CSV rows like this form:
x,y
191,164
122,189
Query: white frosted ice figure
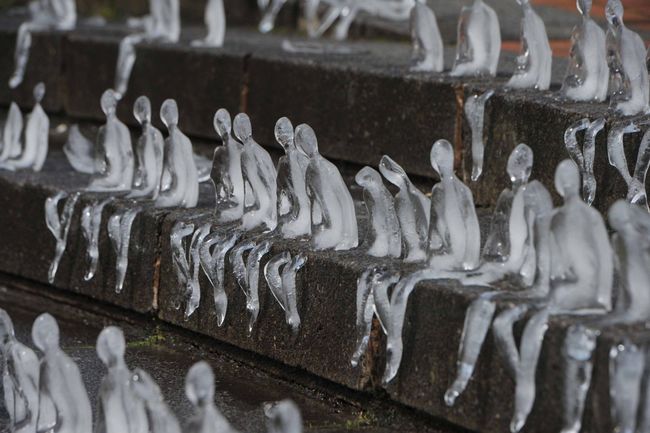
x,y
479,41
294,211
64,404
11,133
584,156
122,410
119,232
283,417
215,22
280,274
226,173
384,238
475,113
80,151
161,418
413,211
149,152
260,176
533,65
334,221
629,87
587,76
428,48
59,226
20,378
636,192
199,388
91,222
179,166
627,363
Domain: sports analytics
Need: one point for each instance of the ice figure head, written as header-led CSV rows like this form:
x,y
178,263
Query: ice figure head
x,y
283,417
284,133
442,158
45,333
567,179
242,127
109,102
222,123
614,12
368,177
39,92
6,328
169,113
142,110
144,386
584,7
392,171
199,384
111,346
619,215
520,164
306,140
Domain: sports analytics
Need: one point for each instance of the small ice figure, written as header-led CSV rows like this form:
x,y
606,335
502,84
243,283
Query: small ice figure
x,y
636,192
59,226
584,157
149,152
283,417
119,232
479,41
122,410
283,284
11,133
629,87
226,173
294,219
199,388
161,418
182,189
334,221
627,363
413,211
64,404
533,70
91,222
428,49
20,378
384,238
80,151
260,177
475,113
587,76
215,21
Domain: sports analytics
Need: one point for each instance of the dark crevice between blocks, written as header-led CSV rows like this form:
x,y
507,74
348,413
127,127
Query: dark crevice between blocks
x,y
243,95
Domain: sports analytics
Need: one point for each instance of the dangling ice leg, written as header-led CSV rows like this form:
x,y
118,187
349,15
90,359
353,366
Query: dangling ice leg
x,y
274,278
91,223
193,293
626,366
589,151
365,312
268,20
181,265
475,113
238,264
253,271
59,226
504,336
21,56
289,288
125,61
121,244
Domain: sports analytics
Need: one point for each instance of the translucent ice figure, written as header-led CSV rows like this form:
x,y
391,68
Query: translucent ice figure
x,y
182,262
215,21
283,417
247,274
64,404
384,238
479,41
428,50
626,366
283,284
149,152
59,226
91,222
199,388
584,157
334,221
533,70
587,76
80,151
122,410
119,232
20,378
11,133
413,211
636,192
115,153
226,173
260,175
629,87
183,188
161,418
294,219
475,113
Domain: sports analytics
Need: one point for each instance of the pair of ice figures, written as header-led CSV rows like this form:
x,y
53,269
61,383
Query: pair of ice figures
x,y
49,394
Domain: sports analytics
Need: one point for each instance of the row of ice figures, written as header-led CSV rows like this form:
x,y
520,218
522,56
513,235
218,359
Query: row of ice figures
x,y
47,394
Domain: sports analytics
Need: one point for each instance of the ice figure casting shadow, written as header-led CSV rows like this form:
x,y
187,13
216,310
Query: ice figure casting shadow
x,y
64,405
59,226
161,418
280,273
199,388
428,48
479,41
283,417
533,70
334,221
587,76
584,156
215,22
629,87
44,15
475,113
11,133
636,192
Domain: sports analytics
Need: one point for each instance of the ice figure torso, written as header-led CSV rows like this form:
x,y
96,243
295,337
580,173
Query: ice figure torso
x,y
161,418
165,19
226,174
215,21
479,41
428,48
150,162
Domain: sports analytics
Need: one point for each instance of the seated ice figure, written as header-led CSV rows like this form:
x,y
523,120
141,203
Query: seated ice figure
x,y
533,70
149,151
587,76
428,48
629,88
479,41
161,418
199,388
334,220
226,173
215,21
12,132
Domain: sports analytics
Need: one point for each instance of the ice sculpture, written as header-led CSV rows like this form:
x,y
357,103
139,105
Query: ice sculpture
x,y
44,15
161,418
80,151
91,222
428,49
294,219
635,181
122,410
215,21
64,404
183,265
629,87
283,417
283,284
260,175
384,238
59,226
627,363
413,211
119,232
226,173
533,70
11,133
271,11
584,157
180,168
199,388
149,152
475,112
334,221
587,76
479,41
20,378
